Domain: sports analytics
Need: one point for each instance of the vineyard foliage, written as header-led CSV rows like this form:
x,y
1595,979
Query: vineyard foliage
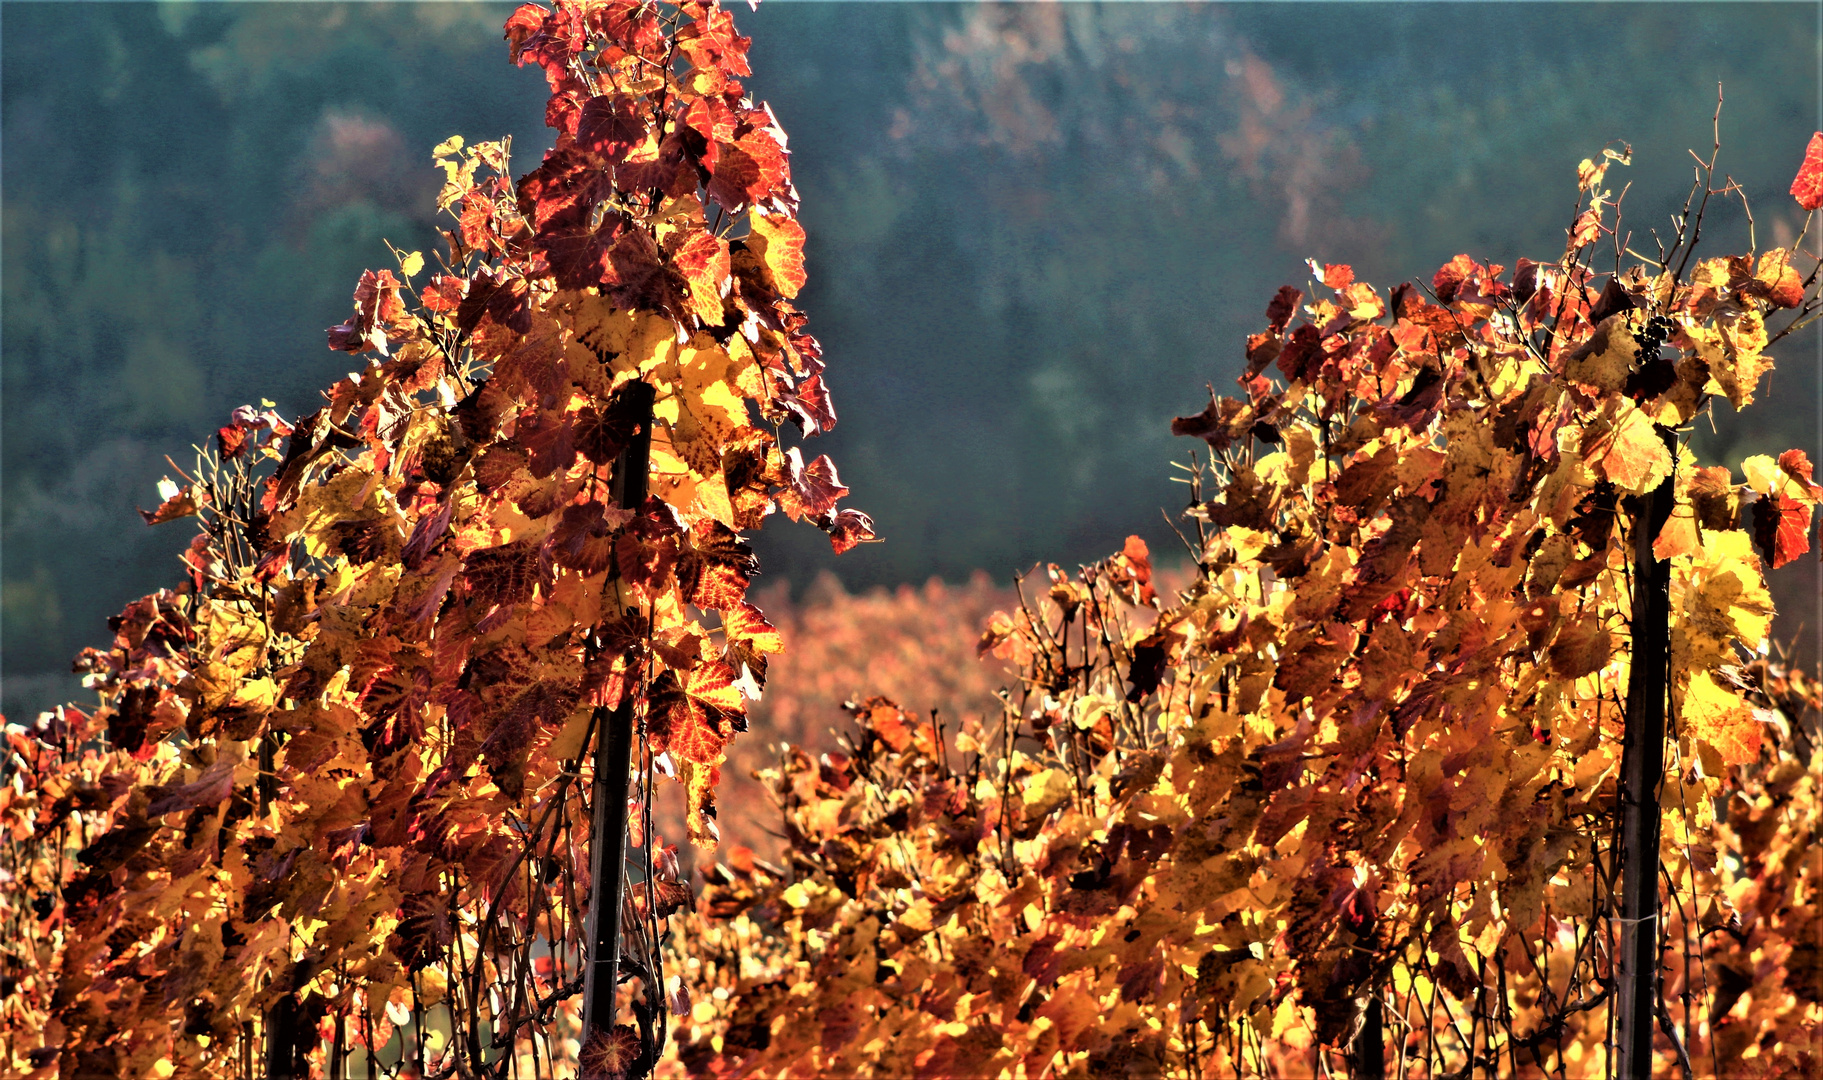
x,y
335,794
914,645
1351,792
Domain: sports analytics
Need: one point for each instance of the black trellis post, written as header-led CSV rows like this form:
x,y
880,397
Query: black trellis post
x,y
282,1041
613,765
1367,1053
1642,767
281,1027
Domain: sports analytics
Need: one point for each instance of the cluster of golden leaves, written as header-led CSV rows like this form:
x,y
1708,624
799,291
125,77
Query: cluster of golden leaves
x,y
334,795
1362,770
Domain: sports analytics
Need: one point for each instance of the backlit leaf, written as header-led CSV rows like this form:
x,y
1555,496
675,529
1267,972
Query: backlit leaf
x,y
779,243
1781,528
1606,359
1717,716
1625,447
1807,188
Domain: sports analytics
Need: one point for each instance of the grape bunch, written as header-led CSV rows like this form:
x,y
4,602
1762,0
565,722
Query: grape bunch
x,y
1653,375
1652,337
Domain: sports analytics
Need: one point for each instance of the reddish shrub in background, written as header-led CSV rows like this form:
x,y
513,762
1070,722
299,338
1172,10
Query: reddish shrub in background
x,y
914,645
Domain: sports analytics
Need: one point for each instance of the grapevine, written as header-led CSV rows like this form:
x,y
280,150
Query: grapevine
x,y
1346,804
335,804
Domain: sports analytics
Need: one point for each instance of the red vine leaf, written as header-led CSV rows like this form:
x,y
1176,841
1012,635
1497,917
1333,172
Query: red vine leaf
x,y
1807,188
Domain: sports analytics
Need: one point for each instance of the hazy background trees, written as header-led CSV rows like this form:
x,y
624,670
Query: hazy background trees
x,y
1036,231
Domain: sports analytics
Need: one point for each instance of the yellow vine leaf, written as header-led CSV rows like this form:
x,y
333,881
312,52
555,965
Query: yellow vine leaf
x,y
1737,366
779,243
1606,359
1718,716
1623,446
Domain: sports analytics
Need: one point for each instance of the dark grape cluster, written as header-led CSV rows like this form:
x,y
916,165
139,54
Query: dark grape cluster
x,y
1653,375
1652,337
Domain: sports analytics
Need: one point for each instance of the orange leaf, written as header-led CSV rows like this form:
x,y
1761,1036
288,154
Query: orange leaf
x,y
701,714
1581,649
1628,451
1447,281
179,502
1781,528
810,491
1134,564
1338,276
702,258
1679,536
748,624
1006,637
1586,229
1777,280
1796,465
848,528
714,567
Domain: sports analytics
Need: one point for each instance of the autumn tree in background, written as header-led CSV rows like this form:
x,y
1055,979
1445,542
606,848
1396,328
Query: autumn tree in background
x,y
336,804
1352,802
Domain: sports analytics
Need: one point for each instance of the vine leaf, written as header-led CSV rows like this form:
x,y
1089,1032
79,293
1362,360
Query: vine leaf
x,y
1807,188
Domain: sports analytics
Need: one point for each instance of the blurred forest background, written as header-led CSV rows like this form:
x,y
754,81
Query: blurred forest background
x,y
1036,232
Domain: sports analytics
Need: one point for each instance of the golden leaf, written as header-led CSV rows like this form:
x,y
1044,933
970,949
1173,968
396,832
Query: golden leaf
x,y
1606,359
779,242
1045,792
1739,365
1624,447
568,742
1719,601
632,342
699,784
1718,716
707,411
1679,536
